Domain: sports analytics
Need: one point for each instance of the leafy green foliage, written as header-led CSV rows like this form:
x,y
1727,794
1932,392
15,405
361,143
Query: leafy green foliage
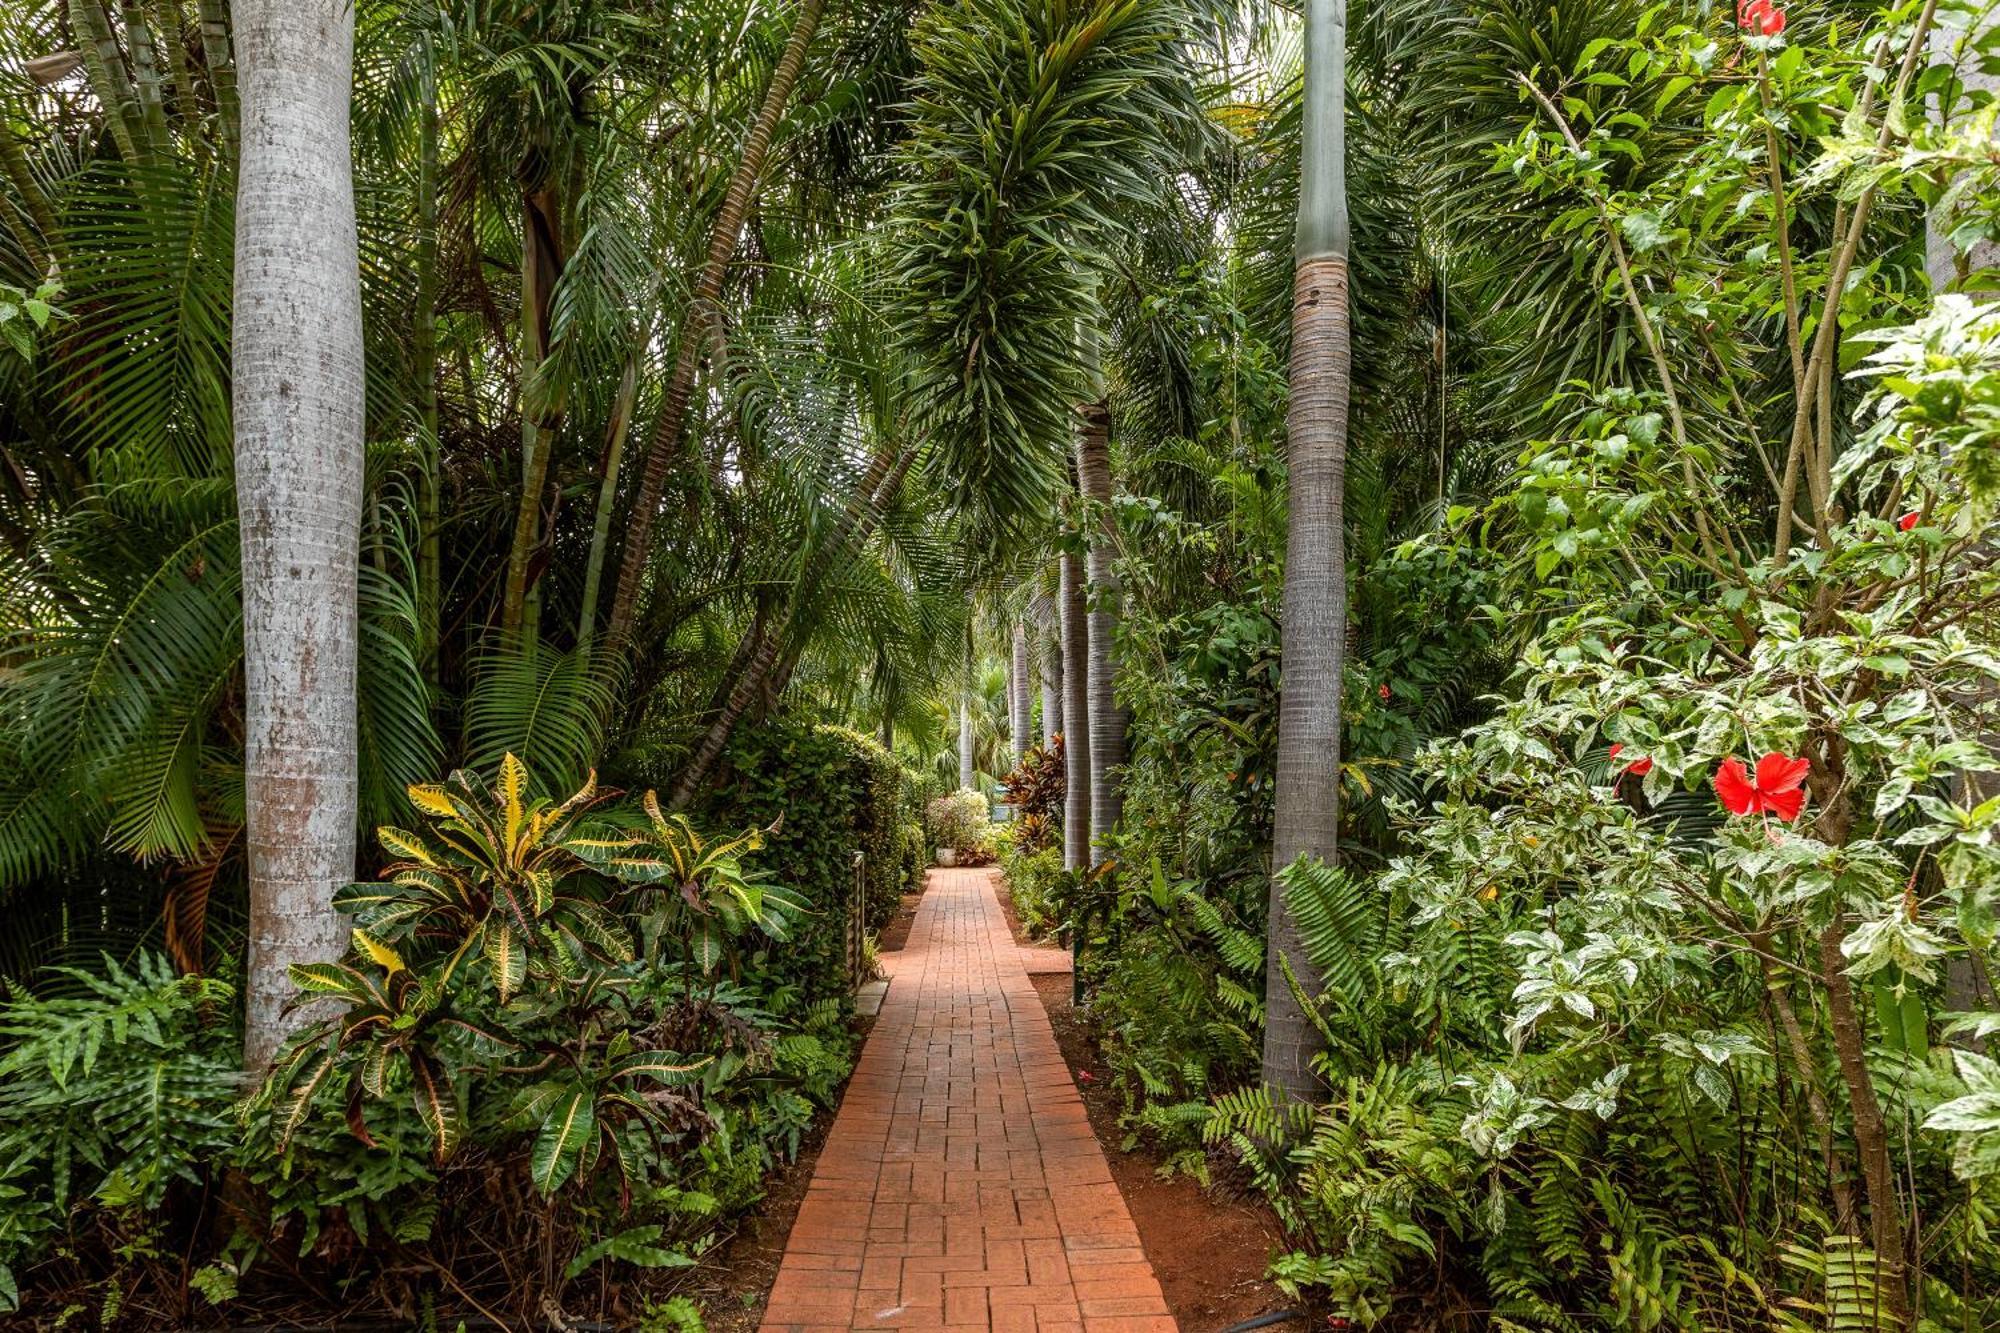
x,y
825,793
109,1101
537,995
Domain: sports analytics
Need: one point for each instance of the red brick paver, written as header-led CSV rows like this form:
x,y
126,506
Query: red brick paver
x,y
961,1186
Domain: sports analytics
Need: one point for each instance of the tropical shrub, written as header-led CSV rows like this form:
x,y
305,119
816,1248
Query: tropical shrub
x,y
825,793
1030,873
116,1099
914,852
960,822
1035,789
541,983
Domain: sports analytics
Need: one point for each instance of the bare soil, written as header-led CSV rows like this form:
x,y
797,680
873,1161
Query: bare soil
x,y
1208,1249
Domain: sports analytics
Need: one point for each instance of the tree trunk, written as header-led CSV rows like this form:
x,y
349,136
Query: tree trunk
x,y
665,443
423,348
215,54
1315,597
298,399
1076,716
1049,659
967,774
105,63
1107,721
541,266
1018,699
146,79
35,224
615,433
1871,1132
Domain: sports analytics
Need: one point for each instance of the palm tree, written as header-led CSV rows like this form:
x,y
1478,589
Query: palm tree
x,y
298,397
1315,598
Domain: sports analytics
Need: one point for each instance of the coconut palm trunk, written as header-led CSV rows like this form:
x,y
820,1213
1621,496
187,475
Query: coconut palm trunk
x,y
1107,722
1075,715
664,446
298,395
1315,597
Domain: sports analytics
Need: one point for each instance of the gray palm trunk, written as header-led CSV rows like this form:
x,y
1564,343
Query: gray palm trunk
x,y
1048,659
297,380
1018,683
967,775
1076,715
1107,720
1315,597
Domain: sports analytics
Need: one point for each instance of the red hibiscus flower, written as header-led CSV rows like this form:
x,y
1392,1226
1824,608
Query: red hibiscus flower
x,y
1760,18
1909,520
1775,791
1638,768
1382,690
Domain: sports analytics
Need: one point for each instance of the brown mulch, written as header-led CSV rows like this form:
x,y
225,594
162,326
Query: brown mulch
x,y
1210,1251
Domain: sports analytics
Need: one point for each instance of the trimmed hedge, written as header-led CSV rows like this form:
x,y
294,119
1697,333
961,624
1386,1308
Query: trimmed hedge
x,y
837,791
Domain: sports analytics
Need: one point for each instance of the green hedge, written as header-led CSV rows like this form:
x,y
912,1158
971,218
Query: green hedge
x,y
837,791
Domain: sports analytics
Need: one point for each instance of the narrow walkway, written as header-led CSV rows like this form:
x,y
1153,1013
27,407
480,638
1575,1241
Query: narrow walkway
x,y
961,1186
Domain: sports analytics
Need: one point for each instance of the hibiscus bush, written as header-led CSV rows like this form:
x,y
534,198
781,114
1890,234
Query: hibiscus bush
x,y
1671,1008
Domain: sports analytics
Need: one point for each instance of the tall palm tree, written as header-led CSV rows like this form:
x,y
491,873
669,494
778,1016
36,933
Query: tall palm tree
x,y
298,397
1315,598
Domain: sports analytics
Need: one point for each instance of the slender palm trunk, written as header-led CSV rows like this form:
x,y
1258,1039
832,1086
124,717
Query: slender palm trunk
x,y
179,65
1107,721
541,266
298,394
1018,685
423,347
967,774
615,433
105,63
35,224
216,55
665,443
1315,598
1076,716
1048,658
146,78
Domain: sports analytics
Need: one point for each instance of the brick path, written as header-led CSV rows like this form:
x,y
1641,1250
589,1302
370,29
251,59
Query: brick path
x,y
961,1186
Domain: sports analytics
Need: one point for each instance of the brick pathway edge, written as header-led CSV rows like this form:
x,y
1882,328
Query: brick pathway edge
x,y
961,1185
